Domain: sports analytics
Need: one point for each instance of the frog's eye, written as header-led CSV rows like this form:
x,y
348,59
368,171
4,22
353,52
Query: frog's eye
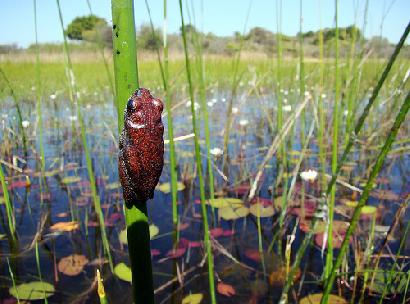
x,y
130,105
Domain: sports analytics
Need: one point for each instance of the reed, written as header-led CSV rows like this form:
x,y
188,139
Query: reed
x,y
126,81
39,270
73,94
352,138
207,241
365,195
39,94
164,69
9,207
335,139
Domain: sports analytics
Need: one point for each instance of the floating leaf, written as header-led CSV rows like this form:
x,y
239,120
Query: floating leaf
x,y
368,210
112,186
123,237
166,187
65,226
153,231
72,265
317,297
225,289
32,291
194,298
123,272
232,213
71,179
259,210
253,254
224,202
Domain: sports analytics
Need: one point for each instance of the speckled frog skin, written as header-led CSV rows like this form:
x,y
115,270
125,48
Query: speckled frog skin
x,y
141,155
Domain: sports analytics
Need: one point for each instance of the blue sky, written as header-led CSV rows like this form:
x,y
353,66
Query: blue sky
x,y
221,17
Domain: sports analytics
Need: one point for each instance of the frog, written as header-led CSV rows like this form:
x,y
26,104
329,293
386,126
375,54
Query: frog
x,y
141,147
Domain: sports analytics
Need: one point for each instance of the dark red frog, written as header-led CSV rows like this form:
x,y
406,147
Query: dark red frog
x,y
141,156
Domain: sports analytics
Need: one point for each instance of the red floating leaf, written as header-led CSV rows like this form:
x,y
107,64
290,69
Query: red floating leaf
x,y
253,254
225,289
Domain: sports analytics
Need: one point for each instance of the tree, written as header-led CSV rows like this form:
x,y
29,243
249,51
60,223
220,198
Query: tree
x,y
75,30
148,39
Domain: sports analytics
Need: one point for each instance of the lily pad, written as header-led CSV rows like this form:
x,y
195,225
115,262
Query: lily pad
x,y
123,272
232,213
259,210
153,231
71,179
368,210
224,202
72,265
112,186
65,226
166,187
32,291
317,297
194,298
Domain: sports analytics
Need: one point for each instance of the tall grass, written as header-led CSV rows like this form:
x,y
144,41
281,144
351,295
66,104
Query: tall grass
x,y
126,81
9,207
207,241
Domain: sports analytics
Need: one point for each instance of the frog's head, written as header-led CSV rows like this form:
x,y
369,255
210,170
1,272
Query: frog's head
x,y
143,111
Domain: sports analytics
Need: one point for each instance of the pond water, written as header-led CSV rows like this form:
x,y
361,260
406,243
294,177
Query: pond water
x,y
252,277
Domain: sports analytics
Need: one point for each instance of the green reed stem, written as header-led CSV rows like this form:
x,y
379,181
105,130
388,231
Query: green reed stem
x,y
235,82
352,138
168,106
365,195
204,110
9,206
13,279
301,74
39,271
126,81
78,102
322,119
164,69
198,164
335,129
17,105
38,94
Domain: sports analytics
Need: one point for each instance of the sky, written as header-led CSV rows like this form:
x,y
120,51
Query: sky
x,y
221,17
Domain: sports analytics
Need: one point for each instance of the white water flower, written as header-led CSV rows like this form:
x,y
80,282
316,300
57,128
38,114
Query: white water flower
x,y
216,151
25,123
33,88
243,122
323,95
309,175
285,100
53,96
210,104
345,112
235,110
88,106
4,116
223,99
287,108
72,118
